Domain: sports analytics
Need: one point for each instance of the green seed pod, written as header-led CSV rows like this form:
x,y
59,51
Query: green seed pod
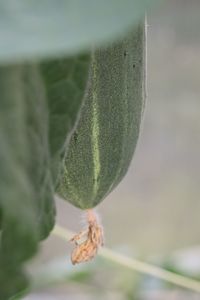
x,y
102,146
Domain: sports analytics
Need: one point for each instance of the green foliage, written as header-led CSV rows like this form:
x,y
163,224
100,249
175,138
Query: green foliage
x,y
104,141
48,27
36,123
26,177
17,193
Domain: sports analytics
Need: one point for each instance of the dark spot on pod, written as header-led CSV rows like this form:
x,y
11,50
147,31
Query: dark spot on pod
x,y
75,136
62,154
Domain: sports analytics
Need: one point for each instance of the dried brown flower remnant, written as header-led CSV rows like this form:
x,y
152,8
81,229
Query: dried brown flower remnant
x,y
87,241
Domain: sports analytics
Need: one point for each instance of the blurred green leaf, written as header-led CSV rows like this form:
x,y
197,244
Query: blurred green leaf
x,y
39,171
50,28
0,218
31,142
19,233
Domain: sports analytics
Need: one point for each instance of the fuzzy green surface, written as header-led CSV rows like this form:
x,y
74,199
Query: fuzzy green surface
x,y
102,146
64,81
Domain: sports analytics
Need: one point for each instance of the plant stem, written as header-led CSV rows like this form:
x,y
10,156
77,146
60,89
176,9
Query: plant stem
x,y
137,265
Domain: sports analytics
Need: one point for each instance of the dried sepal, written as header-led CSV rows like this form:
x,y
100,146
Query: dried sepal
x,y
88,241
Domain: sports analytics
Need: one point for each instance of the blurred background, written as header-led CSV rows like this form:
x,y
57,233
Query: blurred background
x,y
153,215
